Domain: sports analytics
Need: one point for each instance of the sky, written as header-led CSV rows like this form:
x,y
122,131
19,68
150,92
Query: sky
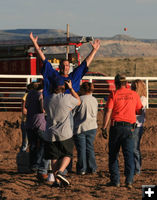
x,y
97,18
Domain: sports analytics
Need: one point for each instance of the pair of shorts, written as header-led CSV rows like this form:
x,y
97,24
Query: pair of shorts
x,y
59,149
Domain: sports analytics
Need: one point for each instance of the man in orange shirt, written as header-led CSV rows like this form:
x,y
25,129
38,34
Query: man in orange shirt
x,y
122,106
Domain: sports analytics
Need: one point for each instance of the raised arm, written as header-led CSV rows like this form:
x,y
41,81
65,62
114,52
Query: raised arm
x,y
95,45
35,43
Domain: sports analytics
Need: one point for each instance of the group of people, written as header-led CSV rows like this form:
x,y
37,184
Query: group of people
x,y
71,119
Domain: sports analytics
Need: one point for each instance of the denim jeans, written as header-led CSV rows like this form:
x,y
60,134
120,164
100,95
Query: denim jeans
x,y
121,136
137,153
36,151
85,151
24,137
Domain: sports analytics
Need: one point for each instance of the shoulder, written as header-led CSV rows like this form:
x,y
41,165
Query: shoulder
x,y
84,63
79,67
46,61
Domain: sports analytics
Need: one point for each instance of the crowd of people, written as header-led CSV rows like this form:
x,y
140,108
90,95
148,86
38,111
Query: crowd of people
x,y
58,113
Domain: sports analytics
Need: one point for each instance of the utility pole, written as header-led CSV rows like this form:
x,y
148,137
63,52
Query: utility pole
x,y
67,48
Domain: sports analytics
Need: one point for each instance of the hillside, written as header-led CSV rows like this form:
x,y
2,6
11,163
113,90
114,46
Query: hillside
x,y
117,46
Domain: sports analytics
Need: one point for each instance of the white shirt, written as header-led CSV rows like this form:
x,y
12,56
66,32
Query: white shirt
x,y
140,119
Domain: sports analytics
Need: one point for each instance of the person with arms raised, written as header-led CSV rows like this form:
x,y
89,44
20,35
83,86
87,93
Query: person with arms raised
x,y
49,74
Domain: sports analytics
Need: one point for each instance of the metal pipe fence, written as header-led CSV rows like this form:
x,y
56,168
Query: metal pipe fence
x,y
12,89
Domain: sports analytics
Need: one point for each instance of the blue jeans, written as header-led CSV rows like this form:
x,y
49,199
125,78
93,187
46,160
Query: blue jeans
x,y
121,136
85,151
24,137
36,151
137,153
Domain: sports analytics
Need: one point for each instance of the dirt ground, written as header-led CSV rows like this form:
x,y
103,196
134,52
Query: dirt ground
x,y
17,184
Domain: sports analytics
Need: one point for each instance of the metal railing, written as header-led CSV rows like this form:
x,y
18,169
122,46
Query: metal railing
x,y
12,89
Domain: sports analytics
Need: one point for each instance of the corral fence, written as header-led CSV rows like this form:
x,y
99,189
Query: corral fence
x,y
12,89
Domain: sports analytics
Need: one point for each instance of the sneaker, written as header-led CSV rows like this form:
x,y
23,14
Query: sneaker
x,y
81,173
129,185
62,178
56,184
113,184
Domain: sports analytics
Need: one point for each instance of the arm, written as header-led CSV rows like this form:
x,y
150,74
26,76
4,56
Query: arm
x,y
24,110
95,45
107,118
72,91
35,43
41,104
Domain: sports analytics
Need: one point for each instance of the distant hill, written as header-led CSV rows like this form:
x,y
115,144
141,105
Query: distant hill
x,y
18,34
119,45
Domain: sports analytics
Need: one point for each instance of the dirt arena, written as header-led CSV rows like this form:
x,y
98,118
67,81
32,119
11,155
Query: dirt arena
x,y
17,184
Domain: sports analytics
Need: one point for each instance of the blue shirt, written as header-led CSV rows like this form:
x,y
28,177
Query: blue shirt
x,y
50,75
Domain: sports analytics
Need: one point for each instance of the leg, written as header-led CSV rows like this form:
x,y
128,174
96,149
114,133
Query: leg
x,y
32,140
137,154
91,162
64,163
114,147
127,148
24,137
80,143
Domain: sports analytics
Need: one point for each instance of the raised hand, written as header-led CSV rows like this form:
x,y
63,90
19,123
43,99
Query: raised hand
x,y
34,39
35,43
95,44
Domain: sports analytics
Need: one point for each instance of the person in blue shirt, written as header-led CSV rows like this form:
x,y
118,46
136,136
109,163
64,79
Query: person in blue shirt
x,y
50,75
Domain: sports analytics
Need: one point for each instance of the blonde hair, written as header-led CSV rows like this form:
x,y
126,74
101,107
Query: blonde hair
x,y
140,87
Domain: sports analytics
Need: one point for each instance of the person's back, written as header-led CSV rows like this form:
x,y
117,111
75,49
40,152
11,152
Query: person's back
x,y
125,103
85,127
35,115
85,117
58,108
35,124
122,106
58,135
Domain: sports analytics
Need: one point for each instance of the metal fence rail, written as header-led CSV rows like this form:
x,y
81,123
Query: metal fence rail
x,y
12,89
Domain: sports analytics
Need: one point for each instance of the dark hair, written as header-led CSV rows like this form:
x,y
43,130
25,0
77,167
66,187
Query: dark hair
x,y
38,85
120,80
86,87
62,61
59,89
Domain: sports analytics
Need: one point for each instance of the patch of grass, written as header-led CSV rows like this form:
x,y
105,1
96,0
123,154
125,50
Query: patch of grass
x,y
132,66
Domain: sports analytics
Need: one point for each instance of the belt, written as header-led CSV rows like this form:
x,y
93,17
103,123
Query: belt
x,y
114,123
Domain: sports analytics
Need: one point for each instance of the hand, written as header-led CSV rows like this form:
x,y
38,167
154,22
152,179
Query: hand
x,y
104,133
95,44
68,84
34,39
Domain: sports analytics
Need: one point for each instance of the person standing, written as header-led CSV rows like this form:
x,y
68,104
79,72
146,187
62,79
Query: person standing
x,y
140,87
122,106
24,145
50,74
35,125
59,134
85,127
